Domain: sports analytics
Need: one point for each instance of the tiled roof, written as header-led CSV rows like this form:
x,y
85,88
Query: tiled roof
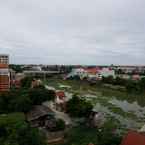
x,y
37,112
60,94
92,70
134,138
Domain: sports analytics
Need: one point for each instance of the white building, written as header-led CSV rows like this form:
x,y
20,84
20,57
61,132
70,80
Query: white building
x,y
78,72
106,72
92,73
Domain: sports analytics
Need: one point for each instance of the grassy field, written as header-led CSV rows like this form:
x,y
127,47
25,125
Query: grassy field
x,y
129,109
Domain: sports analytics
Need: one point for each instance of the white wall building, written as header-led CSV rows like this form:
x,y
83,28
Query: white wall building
x,y
78,72
106,72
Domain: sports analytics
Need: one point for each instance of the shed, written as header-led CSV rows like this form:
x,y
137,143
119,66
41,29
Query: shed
x,y
38,115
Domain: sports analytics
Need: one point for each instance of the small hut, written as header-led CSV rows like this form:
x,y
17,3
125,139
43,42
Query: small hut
x,y
96,119
39,115
60,101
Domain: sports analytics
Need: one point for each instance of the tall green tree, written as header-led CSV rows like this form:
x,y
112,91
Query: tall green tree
x,y
79,107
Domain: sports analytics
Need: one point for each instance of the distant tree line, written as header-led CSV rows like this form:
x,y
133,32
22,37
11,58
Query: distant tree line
x,y
130,85
16,68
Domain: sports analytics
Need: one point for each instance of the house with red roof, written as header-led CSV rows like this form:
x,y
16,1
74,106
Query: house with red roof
x,y
106,72
134,138
80,72
95,73
60,95
60,100
92,71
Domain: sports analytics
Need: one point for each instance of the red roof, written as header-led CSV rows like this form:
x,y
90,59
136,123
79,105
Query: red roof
x,y
60,94
134,138
92,70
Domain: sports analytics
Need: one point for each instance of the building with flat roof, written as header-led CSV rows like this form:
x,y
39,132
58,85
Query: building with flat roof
x,y
4,73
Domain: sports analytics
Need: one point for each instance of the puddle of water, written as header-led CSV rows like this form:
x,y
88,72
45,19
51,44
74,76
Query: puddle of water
x,y
134,107
64,86
50,88
90,96
126,123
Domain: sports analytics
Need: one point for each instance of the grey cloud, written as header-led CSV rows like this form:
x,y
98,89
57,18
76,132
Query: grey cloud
x,y
73,31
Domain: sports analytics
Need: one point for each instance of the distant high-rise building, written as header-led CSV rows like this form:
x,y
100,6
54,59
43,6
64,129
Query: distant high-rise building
x,y
4,73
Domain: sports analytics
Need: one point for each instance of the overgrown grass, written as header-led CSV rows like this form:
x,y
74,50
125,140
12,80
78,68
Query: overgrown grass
x,y
103,95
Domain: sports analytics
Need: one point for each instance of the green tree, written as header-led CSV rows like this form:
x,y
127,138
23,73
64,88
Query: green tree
x,y
132,86
15,101
26,82
39,95
120,81
15,131
21,103
16,68
108,80
60,125
79,107
142,84
107,134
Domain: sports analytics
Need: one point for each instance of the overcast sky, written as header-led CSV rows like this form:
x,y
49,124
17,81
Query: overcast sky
x,y
73,31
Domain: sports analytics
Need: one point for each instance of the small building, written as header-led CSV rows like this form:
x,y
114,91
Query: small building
x,y
60,101
124,76
135,77
36,83
79,72
15,84
40,116
16,79
134,138
96,119
106,72
93,73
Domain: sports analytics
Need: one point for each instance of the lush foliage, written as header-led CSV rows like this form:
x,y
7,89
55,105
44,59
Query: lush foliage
x,y
39,95
15,101
82,135
16,68
130,85
79,107
116,81
60,124
136,86
26,82
15,131
22,100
